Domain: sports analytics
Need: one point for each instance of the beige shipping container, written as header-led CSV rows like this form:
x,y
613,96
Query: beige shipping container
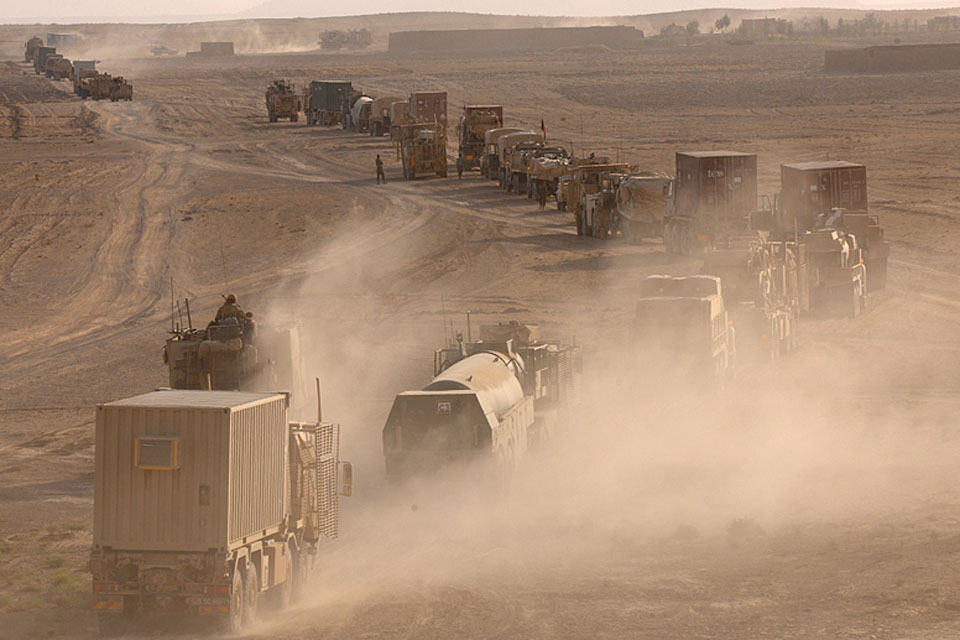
x,y
181,470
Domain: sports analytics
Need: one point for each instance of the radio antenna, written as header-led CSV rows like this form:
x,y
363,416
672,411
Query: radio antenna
x,y
223,263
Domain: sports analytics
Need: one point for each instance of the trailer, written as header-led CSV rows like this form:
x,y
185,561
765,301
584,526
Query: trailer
x,y
207,504
429,106
381,116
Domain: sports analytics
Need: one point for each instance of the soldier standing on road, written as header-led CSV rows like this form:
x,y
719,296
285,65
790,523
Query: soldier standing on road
x,y
380,173
460,166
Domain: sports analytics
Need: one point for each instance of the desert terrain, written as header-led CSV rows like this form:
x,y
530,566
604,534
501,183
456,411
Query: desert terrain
x,y
815,498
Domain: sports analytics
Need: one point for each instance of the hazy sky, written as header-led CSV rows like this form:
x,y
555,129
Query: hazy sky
x,y
70,10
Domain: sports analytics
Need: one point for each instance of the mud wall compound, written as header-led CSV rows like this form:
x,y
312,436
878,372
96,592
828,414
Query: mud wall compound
x,y
892,58
619,37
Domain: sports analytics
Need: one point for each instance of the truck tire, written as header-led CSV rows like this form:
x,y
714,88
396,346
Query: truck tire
x,y
442,172
251,594
285,591
295,117
237,616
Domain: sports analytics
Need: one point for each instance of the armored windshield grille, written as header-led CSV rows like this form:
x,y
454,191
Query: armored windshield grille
x,y
327,443
157,453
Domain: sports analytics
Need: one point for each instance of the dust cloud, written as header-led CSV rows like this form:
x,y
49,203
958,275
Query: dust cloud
x,y
638,469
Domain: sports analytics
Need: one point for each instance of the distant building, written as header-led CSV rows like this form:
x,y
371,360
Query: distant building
x,y
762,27
216,49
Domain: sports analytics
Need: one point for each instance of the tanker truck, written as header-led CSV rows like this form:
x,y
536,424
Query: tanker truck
x,y
489,402
208,505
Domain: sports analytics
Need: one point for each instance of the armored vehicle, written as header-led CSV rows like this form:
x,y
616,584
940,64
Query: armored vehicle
x,y
120,89
30,49
505,145
282,101
40,58
423,150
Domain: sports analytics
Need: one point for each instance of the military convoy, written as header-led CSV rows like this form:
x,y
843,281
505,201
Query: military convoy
x,y
86,80
282,101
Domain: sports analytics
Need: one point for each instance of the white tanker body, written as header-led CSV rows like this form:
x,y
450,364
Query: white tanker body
x,y
475,409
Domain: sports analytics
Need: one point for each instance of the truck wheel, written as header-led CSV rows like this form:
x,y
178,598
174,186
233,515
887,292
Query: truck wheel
x,y
285,595
443,172
626,232
295,117
251,594
238,613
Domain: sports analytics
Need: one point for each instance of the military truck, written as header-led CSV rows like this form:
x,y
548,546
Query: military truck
x,y
380,116
208,505
835,273
811,193
120,89
490,161
522,166
715,193
423,150
96,85
682,332
592,192
505,144
59,68
40,58
360,114
547,168
30,49
475,121
764,291
643,201
282,101
322,99
399,115
490,401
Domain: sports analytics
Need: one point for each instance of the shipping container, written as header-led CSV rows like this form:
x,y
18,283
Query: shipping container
x,y
429,106
329,94
721,185
190,470
216,49
808,189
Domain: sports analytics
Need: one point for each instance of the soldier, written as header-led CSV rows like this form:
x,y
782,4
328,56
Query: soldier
x,y
380,173
460,166
542,194
230,309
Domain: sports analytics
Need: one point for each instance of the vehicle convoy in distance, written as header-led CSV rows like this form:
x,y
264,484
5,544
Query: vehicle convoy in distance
x,y
489,402
682,332
475,122
282,101
322,101
207,504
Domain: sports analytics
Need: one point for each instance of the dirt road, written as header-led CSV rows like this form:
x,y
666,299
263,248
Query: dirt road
x,y
818,500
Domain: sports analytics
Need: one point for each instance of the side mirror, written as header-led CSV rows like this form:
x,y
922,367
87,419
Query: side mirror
x,y
347,490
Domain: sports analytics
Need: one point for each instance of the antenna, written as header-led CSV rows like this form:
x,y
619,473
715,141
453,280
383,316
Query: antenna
x,y
186,303
582,146
469,331
319,402
180,313
223,263
443,311
171,306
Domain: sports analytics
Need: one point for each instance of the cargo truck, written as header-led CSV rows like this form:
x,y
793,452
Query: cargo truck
x,y
715,194
505,144
490,162
475,121
682,332
322,101
81,70
30,49
207,504
423,150
380,116
40,58
812,192
429,106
